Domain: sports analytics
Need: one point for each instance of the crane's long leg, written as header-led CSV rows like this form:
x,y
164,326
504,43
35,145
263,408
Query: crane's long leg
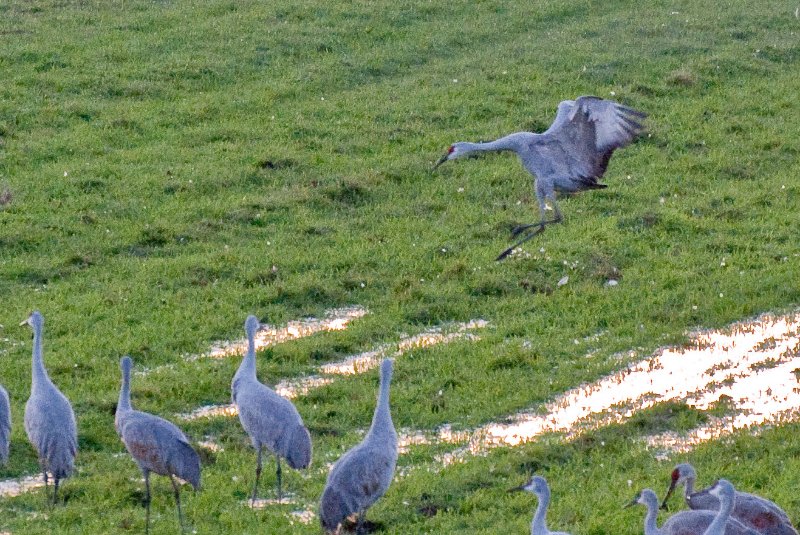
x,y
55,490
177,499
278,473
46,491
539,230
540,226
147,502
258,475
557,218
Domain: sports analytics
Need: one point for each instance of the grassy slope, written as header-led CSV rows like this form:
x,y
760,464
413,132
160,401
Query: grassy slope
x,y
164,156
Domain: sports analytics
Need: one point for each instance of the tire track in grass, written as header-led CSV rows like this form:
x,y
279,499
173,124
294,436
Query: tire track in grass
x,y
753,367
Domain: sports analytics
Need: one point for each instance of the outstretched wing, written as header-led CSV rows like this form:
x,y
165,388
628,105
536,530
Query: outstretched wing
x,y
584,135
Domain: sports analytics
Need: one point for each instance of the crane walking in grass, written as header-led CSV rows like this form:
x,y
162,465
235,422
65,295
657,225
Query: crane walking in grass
x,y
538,486
5,425
570,156
686,522
155,444
49,420
271,421
363,474
754,511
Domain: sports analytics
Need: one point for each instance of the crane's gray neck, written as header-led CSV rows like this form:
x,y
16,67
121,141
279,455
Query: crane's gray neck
x,y
650,526
38,373
504,143
688,488
247,368
382,424
539,524
717,526
124,403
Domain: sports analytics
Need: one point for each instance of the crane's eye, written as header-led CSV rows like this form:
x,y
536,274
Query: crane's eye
x,y
451,149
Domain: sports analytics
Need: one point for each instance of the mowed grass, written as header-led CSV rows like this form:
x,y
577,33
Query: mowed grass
x,y
175,166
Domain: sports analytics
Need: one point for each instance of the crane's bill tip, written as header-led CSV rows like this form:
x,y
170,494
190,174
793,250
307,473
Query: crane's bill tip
x,y
504,254
516,489
440,161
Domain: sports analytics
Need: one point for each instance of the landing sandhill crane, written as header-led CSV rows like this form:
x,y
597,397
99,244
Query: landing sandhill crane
x,y
5,425
538,486
751,510
363,474
570,156
271,421
49,420
155,444
684,522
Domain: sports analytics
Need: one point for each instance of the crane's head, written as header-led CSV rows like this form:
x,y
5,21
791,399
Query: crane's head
x,y
251,324
456,150
536,485
298,453
721,488
680,475
644,497
34,320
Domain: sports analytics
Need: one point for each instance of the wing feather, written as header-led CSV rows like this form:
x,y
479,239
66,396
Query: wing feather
x,y
574,152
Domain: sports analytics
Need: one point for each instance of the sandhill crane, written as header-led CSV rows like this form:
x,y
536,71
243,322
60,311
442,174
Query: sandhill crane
x,y
683,522
271,420
538,486
155,444
754,511
363,474
5,425
49,420
570,156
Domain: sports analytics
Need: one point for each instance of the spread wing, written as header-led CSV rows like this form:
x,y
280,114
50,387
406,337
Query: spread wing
x,y
584,135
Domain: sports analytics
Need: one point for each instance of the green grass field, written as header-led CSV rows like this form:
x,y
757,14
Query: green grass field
x,y
171,167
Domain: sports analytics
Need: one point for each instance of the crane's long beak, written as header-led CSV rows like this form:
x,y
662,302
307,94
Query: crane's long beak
x,y
26,321
669,493
440,162
517,489
631,503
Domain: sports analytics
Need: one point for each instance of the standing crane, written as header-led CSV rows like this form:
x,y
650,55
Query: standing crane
x,y
271,421
363,474
754,511
49,419
570,156
5,425
538,486
155,444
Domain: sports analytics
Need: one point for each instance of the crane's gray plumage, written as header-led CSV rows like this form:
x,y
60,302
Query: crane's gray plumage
x,y
754,511
723,491
5,425
271,421
363,474
49,420
538,486
570,156
155,444
684,522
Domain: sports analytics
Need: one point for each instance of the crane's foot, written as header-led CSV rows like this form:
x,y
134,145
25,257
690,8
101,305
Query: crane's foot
x,y
539,230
